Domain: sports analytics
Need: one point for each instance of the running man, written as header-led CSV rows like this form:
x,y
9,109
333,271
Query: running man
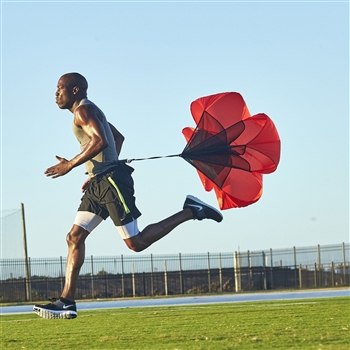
x,y
108,192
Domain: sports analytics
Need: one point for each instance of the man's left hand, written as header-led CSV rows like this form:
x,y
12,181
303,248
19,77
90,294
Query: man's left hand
x,y
62,168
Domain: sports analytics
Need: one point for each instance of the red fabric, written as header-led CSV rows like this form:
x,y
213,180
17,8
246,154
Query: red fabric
x,y
253,146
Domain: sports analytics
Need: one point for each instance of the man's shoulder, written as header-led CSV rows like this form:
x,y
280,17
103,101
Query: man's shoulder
x,y
87,110
85,105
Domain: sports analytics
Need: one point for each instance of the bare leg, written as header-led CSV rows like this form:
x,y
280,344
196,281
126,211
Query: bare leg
x,y
76,255
154,232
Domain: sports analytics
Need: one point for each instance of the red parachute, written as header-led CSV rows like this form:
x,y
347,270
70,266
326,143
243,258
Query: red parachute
x,y
231,149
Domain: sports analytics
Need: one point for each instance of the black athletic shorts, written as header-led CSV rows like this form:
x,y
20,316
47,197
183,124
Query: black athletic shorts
x,y
112,194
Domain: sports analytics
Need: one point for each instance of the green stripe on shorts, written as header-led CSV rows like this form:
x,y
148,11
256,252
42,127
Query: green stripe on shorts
x,y
127,210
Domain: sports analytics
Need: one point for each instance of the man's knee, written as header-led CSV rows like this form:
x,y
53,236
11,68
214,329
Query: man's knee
x,y
135,243
76,235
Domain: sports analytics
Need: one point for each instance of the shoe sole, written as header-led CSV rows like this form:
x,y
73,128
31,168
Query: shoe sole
x,y
217,215
52,314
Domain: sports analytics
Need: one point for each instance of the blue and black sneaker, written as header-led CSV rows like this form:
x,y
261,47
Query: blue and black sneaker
x,y
58,308
202,210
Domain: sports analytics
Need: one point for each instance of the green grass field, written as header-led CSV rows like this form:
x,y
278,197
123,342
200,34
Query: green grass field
x,y
297,324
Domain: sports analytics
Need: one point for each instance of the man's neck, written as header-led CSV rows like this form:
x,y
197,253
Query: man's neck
x,y
76,104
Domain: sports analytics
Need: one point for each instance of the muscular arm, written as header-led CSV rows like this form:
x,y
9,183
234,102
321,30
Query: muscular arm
x,y
118,138
85,118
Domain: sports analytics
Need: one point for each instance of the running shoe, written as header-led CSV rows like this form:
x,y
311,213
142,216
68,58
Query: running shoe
x,y
58,308
202,210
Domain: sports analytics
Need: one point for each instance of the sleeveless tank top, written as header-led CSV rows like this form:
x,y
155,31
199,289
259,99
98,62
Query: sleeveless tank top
x,y
108,157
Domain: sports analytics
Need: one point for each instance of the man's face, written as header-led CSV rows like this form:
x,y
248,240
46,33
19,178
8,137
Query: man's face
x,y
65,96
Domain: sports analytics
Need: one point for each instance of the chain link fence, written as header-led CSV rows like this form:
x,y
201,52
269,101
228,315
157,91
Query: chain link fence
x,y
150,275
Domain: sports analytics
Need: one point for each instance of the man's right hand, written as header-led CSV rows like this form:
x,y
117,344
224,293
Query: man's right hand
x,y
86,185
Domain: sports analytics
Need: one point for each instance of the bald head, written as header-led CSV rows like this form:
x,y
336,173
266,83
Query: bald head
x,y
71,88
76,79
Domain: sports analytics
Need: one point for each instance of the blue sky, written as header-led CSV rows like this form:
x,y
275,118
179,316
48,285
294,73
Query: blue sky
x,y
145,63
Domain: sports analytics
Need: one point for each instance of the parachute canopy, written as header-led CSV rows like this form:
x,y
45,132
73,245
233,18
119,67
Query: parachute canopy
x,y
231,149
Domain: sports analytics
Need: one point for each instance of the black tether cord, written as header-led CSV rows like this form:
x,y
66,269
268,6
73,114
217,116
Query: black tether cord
x,y
157,157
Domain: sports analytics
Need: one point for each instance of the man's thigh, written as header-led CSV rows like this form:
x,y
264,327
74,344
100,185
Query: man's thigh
x,y
87,220
128,230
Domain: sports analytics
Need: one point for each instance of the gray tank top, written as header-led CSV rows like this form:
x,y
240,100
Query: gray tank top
x,y
108,157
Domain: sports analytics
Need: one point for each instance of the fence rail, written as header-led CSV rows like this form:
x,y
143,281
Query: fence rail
x,y
142,275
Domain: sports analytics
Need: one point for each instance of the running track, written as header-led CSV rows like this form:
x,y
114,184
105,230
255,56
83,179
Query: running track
x,y
193,300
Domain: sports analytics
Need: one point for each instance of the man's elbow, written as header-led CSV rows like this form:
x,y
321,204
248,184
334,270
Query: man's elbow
x,y
101,144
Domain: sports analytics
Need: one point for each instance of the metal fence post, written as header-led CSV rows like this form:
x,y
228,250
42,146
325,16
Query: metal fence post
x,y
133,280
233,269
271,269
106,284
181,276
300,277
220,273
344,265
152,285
209,282
237,273
315,275
319,265
46,280
264,271
332,273
115,266
250,274
30,280
123,286
295,266
24,236
165,279
92,278
115,270
144,283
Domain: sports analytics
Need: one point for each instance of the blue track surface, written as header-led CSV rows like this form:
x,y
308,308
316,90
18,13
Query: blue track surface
x,y
193,300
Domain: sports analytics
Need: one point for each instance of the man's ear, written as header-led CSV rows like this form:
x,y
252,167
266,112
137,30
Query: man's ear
x,y
75,90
